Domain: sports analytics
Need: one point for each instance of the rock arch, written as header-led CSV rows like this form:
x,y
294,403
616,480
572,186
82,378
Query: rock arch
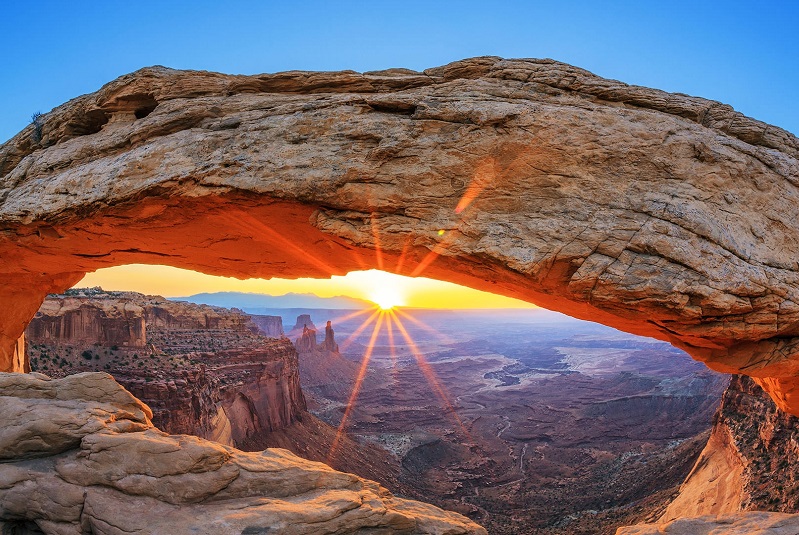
x,y
659,214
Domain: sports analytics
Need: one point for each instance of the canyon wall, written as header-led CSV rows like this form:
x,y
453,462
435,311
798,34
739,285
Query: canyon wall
x,y
271,326
660,214
105,320
750,462
203,370
234,396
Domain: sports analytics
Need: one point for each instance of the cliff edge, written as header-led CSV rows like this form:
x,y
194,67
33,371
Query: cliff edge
x,y
80,455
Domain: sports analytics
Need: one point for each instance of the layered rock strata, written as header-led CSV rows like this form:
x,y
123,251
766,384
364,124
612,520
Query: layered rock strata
x,y
80,455
529,178
232,396
201,369
269,325
95,316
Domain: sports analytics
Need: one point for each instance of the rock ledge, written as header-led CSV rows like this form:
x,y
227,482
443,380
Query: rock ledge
x,y
79,455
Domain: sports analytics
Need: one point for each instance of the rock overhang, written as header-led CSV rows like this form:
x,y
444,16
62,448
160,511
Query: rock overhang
x,y
656,213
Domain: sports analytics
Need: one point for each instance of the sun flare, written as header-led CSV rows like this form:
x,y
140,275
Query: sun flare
x,y
386,298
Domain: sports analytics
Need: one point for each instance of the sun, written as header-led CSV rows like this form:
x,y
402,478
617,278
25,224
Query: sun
x,y
386,298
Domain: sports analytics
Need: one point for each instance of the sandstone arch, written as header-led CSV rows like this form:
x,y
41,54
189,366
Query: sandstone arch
x,y
659,214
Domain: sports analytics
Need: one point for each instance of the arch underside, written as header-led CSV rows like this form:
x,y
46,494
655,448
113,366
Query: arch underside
x,y
658,214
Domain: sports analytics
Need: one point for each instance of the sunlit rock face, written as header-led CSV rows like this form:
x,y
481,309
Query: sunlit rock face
x,y
760,523
750,461
80,455
203,370
659,214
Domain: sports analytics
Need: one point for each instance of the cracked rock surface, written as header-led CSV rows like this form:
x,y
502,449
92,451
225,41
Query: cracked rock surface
x,y
660,214
751,523
79,455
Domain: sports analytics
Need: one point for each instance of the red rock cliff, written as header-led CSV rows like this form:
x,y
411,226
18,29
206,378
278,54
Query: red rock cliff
x,y
750,462
203,370
80,321
269,325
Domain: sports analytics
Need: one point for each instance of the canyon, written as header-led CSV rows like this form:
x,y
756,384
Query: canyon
x,y
527,422
205,371
660,214
747,467
548,425
202,370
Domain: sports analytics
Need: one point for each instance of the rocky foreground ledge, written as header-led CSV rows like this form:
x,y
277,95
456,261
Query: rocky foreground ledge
x,y
749,523
80,455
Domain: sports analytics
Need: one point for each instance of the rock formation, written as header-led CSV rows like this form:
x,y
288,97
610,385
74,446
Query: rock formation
x,y
324,372
660,214
754,523
269,325
304,321
94,316
79,455
750,462
232,396
201,369
329,343
307,340
102,319
749,465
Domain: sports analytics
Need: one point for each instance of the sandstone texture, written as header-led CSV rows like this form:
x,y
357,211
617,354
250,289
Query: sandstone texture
x,y
94,316
754,523
661,214
79,455
750,461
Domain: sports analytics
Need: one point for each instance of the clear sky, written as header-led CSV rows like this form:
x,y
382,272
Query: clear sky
x,y
742,53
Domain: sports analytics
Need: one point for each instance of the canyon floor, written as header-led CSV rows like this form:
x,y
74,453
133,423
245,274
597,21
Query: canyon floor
x,y
528,422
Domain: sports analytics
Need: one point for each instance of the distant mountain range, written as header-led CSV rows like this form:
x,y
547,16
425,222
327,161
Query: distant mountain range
x,y
247,301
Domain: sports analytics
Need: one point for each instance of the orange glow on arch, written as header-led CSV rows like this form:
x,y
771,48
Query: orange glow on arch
x,y
376,237
483,176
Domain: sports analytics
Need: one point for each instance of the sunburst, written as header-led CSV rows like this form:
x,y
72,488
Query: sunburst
x,y
388,298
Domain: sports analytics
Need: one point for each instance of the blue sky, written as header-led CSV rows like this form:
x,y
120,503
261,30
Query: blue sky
x,y
743,53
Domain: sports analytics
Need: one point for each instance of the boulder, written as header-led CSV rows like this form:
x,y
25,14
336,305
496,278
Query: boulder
x,y
80,455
